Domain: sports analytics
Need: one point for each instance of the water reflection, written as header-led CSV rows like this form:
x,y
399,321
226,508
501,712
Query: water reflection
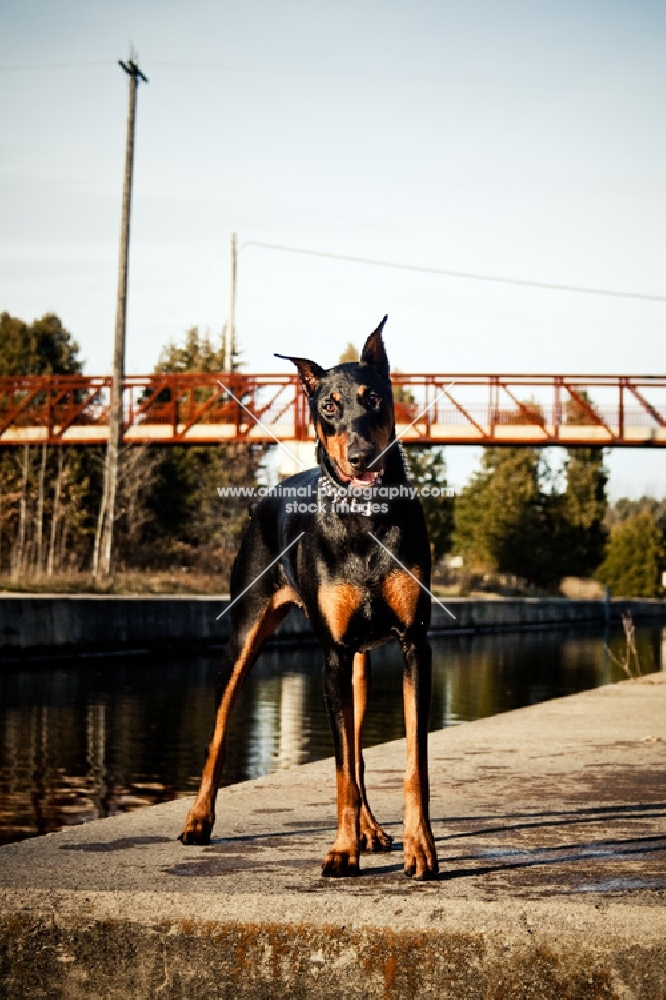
x,y
96,738
293,729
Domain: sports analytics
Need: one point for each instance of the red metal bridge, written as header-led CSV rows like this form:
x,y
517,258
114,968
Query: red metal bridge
x,y
570,410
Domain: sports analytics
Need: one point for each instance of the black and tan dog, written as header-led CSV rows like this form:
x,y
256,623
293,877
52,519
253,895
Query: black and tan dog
x,y
355,591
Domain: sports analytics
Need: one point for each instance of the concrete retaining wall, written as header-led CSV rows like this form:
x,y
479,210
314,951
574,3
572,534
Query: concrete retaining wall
x,y
46,624
550,827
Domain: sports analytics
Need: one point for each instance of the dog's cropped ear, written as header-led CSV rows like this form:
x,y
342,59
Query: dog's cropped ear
x,y
310,372
374,352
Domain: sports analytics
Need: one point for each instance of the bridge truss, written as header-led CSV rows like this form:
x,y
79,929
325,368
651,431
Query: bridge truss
x,y
431,409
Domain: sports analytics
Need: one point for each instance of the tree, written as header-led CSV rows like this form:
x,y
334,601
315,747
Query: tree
x,y
625,508
584,504
183,505
350,353
427,467
43,347
196,354
34,503
503,521
511,517
635,558
168,506
583,511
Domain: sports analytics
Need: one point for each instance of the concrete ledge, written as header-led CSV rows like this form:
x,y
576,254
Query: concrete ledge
x,y
166,954
42,625
550,825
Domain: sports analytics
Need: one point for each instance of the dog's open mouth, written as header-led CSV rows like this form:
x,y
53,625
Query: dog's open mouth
x,y
371,477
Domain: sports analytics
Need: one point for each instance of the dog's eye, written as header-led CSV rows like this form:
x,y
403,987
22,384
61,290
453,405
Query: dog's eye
x,y
373,400
329,408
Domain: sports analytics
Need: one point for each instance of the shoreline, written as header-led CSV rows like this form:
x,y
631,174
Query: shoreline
x,y
44,626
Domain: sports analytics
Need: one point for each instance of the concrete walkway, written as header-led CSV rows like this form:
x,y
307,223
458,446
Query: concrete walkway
x,y
550,825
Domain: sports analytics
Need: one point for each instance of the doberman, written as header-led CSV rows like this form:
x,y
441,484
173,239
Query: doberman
x,y
356,569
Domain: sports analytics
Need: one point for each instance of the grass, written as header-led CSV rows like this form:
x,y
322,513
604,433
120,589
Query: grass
x,y
128,583
186,581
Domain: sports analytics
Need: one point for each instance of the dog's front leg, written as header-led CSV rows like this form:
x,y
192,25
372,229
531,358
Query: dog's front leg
x,y
420,857
373,837
237,660
257,619
342,859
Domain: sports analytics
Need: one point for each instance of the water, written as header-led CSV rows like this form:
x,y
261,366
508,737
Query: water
x,y
97,737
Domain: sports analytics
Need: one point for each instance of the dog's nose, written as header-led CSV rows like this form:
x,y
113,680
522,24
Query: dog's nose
x,y
356,461
359,455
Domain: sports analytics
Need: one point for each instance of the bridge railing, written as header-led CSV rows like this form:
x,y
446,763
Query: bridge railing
x,y
190,408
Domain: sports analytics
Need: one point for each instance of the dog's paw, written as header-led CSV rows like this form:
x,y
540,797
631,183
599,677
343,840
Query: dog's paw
x,y
372,836
420,856
196,831
340,864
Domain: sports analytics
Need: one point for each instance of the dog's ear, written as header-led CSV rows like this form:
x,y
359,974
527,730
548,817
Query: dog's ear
x,y
310,372
374,352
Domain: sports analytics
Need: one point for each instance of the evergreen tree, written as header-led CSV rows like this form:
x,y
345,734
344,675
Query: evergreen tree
x,y
584,504
43,347
635,558
512,519
583,512
350,353
625,508
503,521
427,467
196,354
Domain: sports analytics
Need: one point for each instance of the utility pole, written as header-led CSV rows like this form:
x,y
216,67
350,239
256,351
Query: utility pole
x,y
102,556
230,330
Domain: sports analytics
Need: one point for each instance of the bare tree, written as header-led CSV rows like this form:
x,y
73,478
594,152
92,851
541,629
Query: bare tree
x,y
55,514
39,565
137,468
630,651
101,516
19,549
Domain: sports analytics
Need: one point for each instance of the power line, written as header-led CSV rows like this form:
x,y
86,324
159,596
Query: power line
x,y
559,85
456,274
73,65
429,79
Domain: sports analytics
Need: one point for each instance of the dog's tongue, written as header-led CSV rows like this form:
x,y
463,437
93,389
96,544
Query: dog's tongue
x,y
366,479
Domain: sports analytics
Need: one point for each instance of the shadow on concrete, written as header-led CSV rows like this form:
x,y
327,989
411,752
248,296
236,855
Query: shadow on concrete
x,y
552,819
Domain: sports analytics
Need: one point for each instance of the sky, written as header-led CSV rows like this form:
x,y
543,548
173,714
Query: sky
x,y
523,140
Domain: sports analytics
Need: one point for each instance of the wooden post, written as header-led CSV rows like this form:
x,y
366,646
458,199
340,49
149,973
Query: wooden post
x,y
114,445
230,330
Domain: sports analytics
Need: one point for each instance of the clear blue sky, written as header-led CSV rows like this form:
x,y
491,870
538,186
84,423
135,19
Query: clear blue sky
x,y
522,139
